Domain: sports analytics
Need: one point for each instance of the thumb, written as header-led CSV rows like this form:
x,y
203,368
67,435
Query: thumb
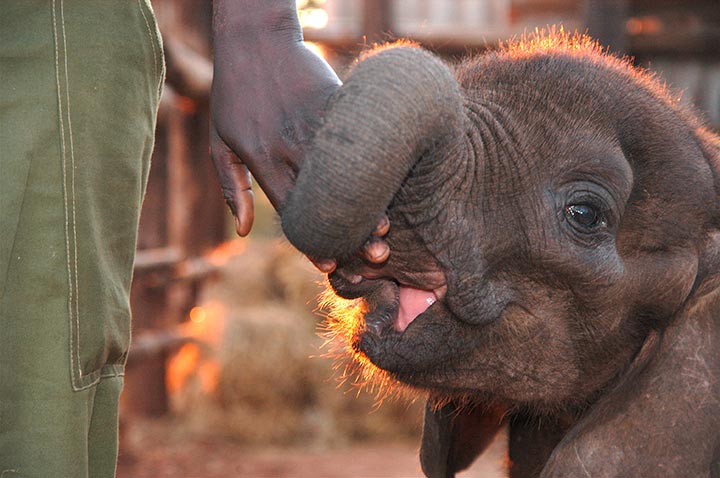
x,y
235,183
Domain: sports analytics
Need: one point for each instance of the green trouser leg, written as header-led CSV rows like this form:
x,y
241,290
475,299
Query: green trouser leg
x,y
79,87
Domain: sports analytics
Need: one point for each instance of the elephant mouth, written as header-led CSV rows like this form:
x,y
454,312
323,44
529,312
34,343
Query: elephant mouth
x,y
381,329
390,305
408,303
411,303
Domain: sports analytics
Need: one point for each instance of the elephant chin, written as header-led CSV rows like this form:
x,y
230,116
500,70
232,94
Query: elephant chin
x,y
372,333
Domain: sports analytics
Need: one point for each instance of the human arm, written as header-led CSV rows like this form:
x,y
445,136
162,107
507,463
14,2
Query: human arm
x,y
267,96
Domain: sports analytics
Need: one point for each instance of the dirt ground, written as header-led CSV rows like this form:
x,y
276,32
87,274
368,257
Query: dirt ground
x,y
155,452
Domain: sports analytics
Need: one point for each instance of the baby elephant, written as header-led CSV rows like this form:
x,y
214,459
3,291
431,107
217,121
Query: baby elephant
x,y
555,255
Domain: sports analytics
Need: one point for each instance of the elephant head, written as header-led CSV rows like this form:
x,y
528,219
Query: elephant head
x,y
554,248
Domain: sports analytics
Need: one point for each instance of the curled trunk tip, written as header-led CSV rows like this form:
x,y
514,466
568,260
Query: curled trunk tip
x,y
395,105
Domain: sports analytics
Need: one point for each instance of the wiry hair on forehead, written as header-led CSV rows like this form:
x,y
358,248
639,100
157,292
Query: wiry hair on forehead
x,y
556,49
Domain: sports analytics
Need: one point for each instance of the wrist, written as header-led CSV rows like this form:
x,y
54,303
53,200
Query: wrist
x,y
252,19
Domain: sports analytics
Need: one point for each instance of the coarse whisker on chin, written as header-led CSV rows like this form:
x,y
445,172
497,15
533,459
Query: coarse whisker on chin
x,y
344,322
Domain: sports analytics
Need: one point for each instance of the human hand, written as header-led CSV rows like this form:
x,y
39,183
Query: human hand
x,y
267,97
375,250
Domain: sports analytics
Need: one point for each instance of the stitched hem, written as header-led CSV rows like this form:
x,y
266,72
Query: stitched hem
x,y
91,379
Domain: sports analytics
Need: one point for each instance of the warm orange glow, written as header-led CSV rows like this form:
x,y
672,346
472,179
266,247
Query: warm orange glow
x,y
186,105
209,374
194,360
378,47
647,25
315,18
181,366
553,40
227,250
189,363
556,41
198,314
316,48
342,327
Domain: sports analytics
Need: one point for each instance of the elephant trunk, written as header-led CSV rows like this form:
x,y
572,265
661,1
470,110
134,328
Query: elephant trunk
x,y
396,105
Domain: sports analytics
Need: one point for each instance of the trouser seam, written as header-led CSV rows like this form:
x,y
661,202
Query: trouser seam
x,y
72,195
71,248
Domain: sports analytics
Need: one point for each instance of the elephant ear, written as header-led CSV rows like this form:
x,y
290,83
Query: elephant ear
x,y
710,146
453,437
709,264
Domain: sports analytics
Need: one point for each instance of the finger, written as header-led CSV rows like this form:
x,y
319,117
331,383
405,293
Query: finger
x,y
324,265
376,250
245,216
382,227
235,182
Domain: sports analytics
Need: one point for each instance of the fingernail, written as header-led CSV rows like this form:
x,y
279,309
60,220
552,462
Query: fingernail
x,y
238,227
326,266
380,252
382,227
384,221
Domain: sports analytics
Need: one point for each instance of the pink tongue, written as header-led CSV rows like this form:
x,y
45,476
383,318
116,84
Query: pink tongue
x,y
413,302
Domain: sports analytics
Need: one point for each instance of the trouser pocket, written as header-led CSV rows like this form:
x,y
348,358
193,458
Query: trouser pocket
x,y
109,70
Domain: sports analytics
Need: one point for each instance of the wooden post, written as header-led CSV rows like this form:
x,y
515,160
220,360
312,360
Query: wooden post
x,y
183,213
377,21
605,20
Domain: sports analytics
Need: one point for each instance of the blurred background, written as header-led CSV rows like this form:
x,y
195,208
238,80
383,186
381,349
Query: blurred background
x,y
226,377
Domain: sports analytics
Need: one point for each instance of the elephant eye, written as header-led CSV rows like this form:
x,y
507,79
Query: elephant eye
x,y
585,216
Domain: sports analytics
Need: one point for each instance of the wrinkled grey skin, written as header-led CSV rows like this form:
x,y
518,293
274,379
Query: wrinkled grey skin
x,y
598,341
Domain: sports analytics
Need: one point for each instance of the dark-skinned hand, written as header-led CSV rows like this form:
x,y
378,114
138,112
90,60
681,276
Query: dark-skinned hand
x,y
268,93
